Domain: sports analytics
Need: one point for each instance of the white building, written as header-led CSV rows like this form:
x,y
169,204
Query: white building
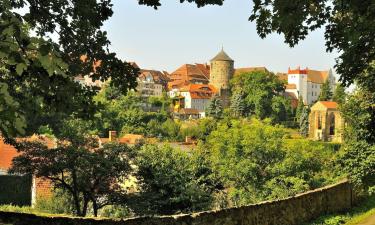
x,y
308,83
197,97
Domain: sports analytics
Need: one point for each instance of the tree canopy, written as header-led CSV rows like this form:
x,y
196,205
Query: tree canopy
x,y
79,166
38,71
262,95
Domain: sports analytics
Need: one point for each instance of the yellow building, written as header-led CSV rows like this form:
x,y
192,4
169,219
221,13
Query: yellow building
x,y
326,122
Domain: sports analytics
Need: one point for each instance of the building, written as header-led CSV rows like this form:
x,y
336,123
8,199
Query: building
x,y
189,74
31,188
326,122
221,72
128,139
307,83
250,69
151,83
86,80
197,97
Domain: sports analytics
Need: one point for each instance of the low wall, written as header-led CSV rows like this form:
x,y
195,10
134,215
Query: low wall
x,y
15,190
291,211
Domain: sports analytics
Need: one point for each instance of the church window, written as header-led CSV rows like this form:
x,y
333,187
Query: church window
x,y
332,125
319,121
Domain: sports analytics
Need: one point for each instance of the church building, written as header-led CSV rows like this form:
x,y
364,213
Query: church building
x,y
326,122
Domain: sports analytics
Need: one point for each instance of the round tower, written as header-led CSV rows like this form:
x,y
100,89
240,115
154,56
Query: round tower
x,y
222,70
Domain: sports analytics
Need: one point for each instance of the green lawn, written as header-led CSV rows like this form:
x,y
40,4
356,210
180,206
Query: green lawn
x,y
363,210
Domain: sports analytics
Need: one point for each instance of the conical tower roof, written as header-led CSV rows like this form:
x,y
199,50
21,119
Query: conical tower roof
x,y
222,56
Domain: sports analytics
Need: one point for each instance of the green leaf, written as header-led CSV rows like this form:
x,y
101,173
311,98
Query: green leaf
x,y
20,68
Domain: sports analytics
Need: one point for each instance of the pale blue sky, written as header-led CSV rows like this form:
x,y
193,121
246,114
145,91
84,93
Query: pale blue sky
x,y
176,34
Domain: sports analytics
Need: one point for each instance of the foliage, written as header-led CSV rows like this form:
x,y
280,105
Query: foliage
x,y
215,107
358,160
126,114
359,114
238,105
304,122
359,156
115,211
77,166
325,92
170,130
59,203
39,72
200,130
339,94
262,95
255,161
171,181
300,107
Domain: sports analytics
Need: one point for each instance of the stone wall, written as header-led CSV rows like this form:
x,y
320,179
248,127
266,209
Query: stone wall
x,y
291,211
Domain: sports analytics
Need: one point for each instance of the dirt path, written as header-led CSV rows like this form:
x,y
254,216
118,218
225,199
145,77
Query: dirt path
x,y
368,221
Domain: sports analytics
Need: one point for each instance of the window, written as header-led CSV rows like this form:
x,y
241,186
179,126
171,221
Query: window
x,y
332,124
319,121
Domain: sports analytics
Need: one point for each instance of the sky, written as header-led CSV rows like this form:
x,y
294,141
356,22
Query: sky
x,y
177,34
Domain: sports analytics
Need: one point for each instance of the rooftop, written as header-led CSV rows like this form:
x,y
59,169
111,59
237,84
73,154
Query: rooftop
x,y
222,56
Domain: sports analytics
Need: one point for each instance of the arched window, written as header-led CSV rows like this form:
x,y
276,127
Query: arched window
x,y
332,124
319,121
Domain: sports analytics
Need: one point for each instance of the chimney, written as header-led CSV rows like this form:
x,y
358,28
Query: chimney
x,y
112,135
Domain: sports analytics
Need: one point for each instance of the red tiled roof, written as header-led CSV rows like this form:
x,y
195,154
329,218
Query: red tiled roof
x,y
158,76
290,86
250,69
329,105
8,152
314,76
130,138
188,111
189,72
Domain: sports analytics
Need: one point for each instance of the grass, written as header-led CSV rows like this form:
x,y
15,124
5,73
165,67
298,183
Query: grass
x,y
360,212
27,209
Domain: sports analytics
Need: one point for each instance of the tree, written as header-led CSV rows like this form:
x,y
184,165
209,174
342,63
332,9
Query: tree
x,y
358,159
39,72
254,160
304,122
238,106
262,95
325,92
171,182
300,107
215,107
339,94
78,166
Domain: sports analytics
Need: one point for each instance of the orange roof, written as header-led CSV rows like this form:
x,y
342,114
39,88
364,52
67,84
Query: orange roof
x,y
188,111
95,64
250,69
199,88
316,76
290,86
158,76
329,105
297,71
282,76
191,73
8,152
130,138
134,64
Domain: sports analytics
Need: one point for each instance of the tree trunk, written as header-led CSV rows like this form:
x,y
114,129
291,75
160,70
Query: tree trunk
x,y
95,207
85,205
